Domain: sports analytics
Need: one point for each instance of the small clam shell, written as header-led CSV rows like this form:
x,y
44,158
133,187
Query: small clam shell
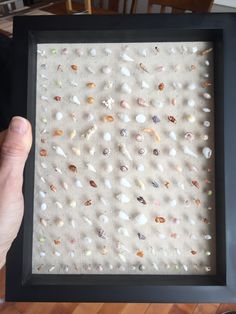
x,y
207,152
206,95
125,88
192,86
123,117
58,132
103,219
140,118
91,85
124,104
91,167
190,102
140,219
107,136
108,119
123,231
125,71
106,69
123,215
107,51
144,85
189,152
75,100
78,183
108,183
123,198
172,135
58,116
124,182
90,100
93,52
76,150
59,151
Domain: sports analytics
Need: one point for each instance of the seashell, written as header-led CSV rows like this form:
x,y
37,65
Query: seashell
x,y
122,257
73,83
88,221
102,234
160,220
142,151
108,85
122,198
43,152
124,168
141,236
91,167
155,152
172,135
125,183
124,104
124,71
103,219
73,134
102,199
93,52
58,204
58,132
92,151
143,67
78,183
58,116
205,137
191,118
153,133
206,95
42,53
206,109
160,68
172,119
161,86
108,103
87,240
140,118
140,184
141,200
189,152
194,49
44,98
155,184
123,215
59,222
91,70
126,58
106,69
107,183
191,103
124,132
107,51
207,152
88,252
123,117
124,151
76,150
106,151
191,86
93,183
123,231
43,206
108,119
139,137
207,124
72,204
155,119
140,167
107,136
140,219
172,152
155,266
144,85
90,132
207,63
91,85
90,100
79,52
74,67
59,151
143,52
72,168
42,194
74,99
173,203
125,88
141,102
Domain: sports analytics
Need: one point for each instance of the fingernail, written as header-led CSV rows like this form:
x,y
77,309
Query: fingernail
x,y
18,125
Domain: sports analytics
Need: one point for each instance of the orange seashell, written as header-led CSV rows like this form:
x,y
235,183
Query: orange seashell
x,y
140,253
72,168
43,152
57,241
90,100
108,119
58,133
91,85
161,86
74,67
160,220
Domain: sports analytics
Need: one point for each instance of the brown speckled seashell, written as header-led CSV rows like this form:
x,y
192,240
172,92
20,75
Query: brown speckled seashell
x,y
172,119
74,67
53,188
88,203
161,86
72,168
43,152
91,85
93,183
160,220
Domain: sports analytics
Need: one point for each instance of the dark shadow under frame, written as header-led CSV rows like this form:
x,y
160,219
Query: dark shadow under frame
x,y
22,285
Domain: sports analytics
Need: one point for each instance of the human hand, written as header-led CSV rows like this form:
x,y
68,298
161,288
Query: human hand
x,y
15,144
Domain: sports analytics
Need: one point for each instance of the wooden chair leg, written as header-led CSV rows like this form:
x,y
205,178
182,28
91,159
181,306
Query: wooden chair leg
x,y
88,6
125,6
163,9
69,8
133,7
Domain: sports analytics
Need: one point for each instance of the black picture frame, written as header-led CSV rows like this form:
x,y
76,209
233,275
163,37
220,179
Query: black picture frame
x,y
21,284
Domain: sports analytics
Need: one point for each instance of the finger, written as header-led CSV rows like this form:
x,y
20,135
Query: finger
x,y
2,136
15,146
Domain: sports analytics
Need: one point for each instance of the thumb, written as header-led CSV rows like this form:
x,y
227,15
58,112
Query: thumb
x,y
15,147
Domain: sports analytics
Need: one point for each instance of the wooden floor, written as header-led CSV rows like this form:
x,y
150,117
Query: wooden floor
x,y
108,308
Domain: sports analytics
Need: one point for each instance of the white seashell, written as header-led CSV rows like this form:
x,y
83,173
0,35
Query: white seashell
x,y
109,168
42,194
155,266
72,222
75,100
206,75
206,95
57,253
143,52
125,71
122,257
140,118
191,103
191,118
93,52
206,109
73,83
140,167
43,76
58,116
125,57
122,198
42,53
123,215
108,85
189,152
173,203
161,236
42,254
172,152
160,68
160,167
88,253
124,151
102,199
207,152
72,254
59,151
79,52
72,204
91,167
185,267
92,151
107,183
125,183
107,136
88,221
207,63
207,124
90,132
43,206
76,150
140,184
123,117
192,86
108,103
144,85
192,221
58,204
207,237
91,70
42,179
107,51
140,219
58,170
87,240
103,219
73,134
194,49
172,50
78,184
44,98
106,69
123,231
125,88
172,135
